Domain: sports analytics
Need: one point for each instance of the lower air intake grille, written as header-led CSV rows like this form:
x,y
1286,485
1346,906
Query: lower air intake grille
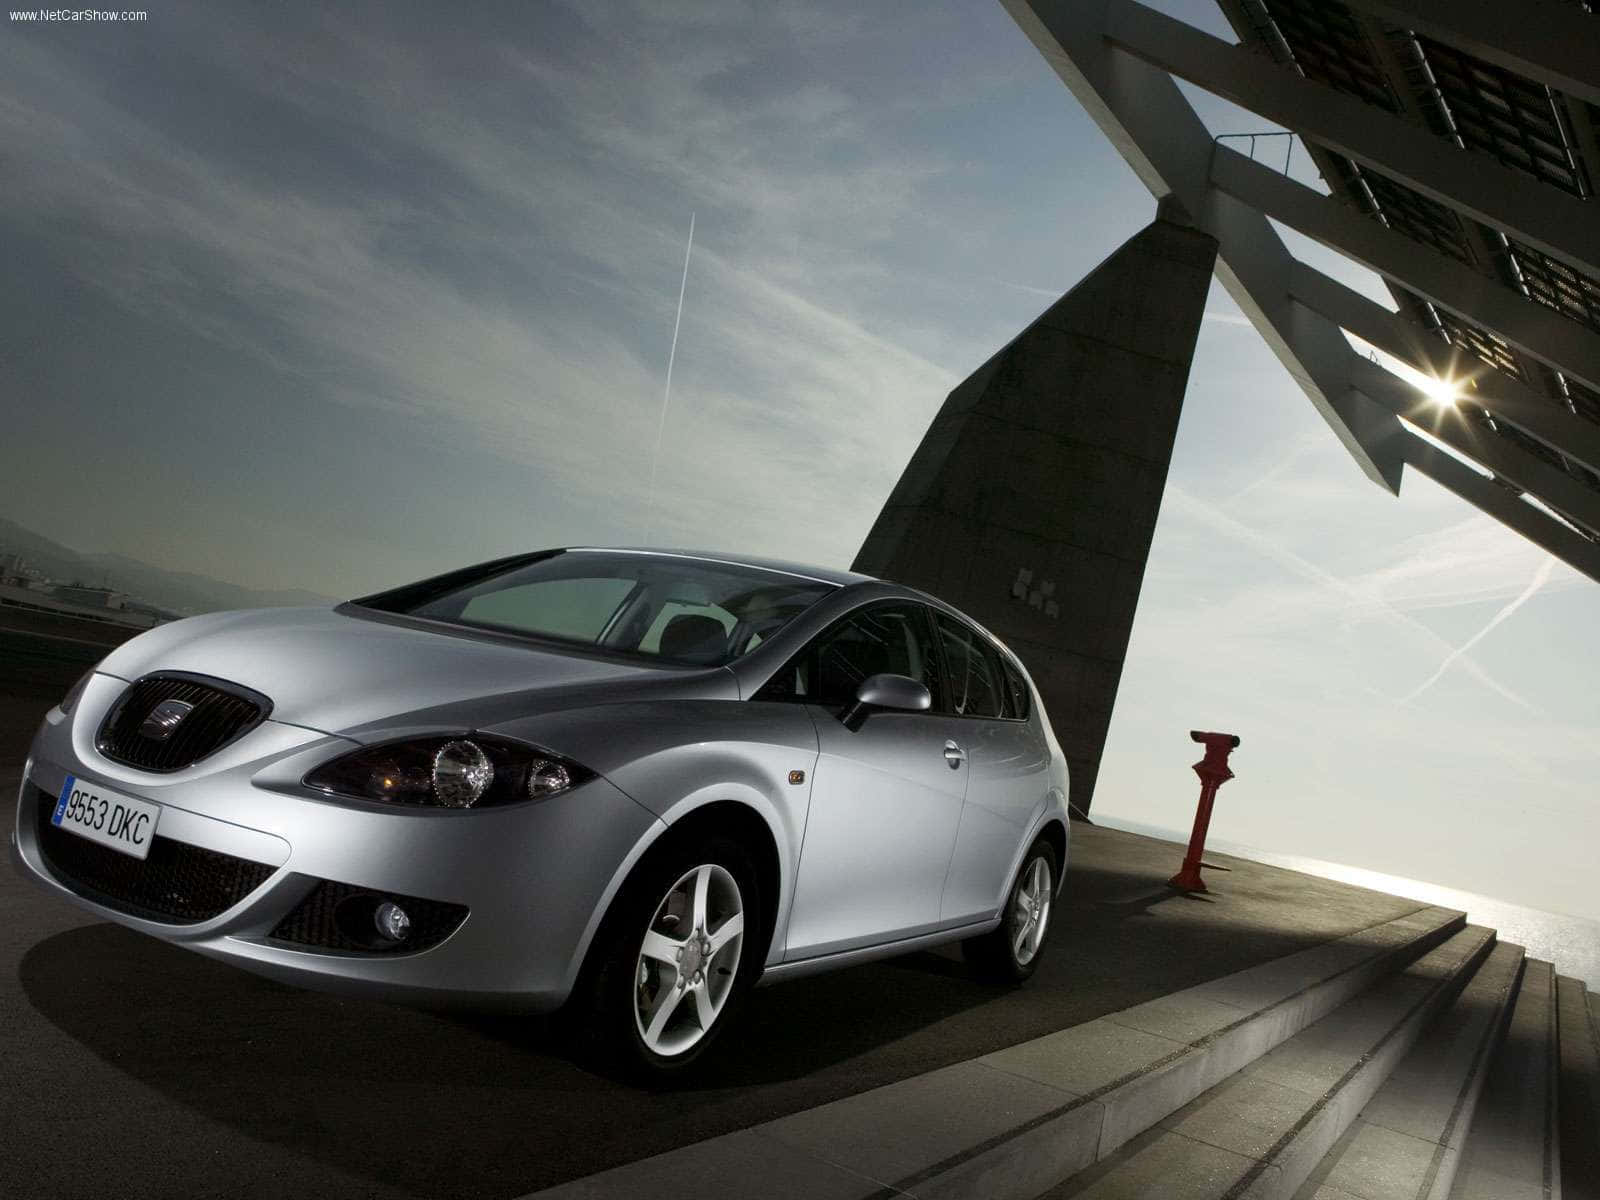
x,y
178,884
166,721
338,916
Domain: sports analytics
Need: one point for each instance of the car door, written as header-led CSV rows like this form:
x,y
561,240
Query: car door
x,y
886,794
1008,763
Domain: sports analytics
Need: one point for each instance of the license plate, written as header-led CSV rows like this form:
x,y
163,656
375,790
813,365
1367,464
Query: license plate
x,y
107,817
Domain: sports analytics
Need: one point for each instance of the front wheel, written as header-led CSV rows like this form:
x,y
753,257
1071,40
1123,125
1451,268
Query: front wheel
x,y
680,950
1011,951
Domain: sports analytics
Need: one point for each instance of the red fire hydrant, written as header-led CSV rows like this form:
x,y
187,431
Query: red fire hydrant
x,y
1213,772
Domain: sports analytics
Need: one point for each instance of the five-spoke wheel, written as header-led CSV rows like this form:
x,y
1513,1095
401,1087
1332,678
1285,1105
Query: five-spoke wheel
x,y
1030,910
680,945
689,959
1011,951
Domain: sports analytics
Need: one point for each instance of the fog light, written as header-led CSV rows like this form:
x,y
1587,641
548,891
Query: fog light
x,y
392,921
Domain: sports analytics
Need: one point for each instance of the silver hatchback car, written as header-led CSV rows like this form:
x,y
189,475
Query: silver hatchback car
x,y
631,782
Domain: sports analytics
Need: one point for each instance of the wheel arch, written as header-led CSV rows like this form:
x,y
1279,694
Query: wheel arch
x,y
1054,832
751,829
688,819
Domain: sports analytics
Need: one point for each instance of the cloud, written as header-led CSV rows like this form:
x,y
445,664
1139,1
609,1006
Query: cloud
x,y
343,295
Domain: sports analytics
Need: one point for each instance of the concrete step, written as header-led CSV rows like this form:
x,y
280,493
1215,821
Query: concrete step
x,y
1260,1134
1578,1095
1408,1141
1012,1124
1512,1149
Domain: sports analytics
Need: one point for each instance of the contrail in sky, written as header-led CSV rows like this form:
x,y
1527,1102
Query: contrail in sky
x,y
1537,582
1291,561
666,394
1284,465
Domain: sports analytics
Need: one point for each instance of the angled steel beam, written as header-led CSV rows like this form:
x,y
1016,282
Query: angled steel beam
x,y
1503,395
1577,552
1375,324
1540,331
1530,473
1146,117
1543,216
1551,43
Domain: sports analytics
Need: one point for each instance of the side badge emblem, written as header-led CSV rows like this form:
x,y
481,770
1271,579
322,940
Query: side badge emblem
x,y
797,776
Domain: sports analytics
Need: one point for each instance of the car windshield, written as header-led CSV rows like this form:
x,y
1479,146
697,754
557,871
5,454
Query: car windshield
x,y
675,609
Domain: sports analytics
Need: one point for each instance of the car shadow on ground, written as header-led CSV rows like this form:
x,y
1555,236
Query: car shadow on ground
x,y
449,1104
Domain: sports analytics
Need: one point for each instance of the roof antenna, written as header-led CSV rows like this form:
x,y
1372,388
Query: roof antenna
x,y
661,426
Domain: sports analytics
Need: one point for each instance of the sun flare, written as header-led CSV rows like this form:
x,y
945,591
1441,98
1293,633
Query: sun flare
x,y
1443,392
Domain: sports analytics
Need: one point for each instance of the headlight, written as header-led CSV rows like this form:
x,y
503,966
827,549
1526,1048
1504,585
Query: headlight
x,y
461,771
75,692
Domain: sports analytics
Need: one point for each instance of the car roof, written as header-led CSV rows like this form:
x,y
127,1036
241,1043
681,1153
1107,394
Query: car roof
x,y
802,570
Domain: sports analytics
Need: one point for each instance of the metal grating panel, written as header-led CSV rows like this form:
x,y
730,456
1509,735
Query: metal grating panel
x,y
1570,394
1493,111
1329,46
1482,109
1556,285
1407,211
1486,346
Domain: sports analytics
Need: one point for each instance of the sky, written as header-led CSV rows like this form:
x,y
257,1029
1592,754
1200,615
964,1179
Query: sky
x,y
337,297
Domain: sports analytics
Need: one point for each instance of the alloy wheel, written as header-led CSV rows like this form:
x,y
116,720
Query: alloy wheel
x,y
1030,912
688,960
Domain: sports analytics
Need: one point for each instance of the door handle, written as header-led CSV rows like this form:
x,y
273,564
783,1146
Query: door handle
x,y
954,755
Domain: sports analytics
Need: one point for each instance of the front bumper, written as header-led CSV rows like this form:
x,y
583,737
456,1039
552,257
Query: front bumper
x,y
534,877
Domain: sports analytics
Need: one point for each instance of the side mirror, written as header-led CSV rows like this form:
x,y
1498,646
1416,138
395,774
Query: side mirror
x,y
899,692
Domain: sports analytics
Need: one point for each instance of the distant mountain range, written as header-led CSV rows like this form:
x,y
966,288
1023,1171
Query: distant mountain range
x,y
180,591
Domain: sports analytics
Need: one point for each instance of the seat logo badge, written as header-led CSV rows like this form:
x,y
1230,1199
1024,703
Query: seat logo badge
x,y
164,718
797,776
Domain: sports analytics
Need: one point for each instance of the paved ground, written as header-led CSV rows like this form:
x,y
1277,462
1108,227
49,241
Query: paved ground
x,y
142,1070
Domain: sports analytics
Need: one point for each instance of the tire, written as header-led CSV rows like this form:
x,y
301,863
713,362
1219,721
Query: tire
x,y
674,959
1007,953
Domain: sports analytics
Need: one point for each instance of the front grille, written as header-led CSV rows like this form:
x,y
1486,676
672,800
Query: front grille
x,y
221,712
338,916
177,883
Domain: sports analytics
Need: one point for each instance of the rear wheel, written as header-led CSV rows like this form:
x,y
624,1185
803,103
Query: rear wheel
x,y
1011,951
681,946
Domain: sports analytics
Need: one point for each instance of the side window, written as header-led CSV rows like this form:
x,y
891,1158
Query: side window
x,y
887,638
975,680
1016,691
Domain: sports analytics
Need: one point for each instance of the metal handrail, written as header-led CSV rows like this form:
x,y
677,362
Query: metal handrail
x,y
1269,133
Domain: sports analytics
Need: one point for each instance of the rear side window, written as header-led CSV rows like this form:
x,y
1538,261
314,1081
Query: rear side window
x,y
1016,696
975,681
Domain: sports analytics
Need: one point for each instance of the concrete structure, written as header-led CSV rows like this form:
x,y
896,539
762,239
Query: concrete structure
x,y
1033,497
1458,145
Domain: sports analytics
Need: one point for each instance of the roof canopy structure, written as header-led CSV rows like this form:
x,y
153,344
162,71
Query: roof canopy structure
x,y
1459,142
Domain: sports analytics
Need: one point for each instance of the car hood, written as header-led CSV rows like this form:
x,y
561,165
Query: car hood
x,y
337,671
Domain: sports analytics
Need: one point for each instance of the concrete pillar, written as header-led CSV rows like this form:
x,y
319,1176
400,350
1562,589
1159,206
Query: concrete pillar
x,y
1031,502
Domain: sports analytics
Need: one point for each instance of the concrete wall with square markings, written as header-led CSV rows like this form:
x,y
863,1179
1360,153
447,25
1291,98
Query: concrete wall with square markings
x,y
1032,499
